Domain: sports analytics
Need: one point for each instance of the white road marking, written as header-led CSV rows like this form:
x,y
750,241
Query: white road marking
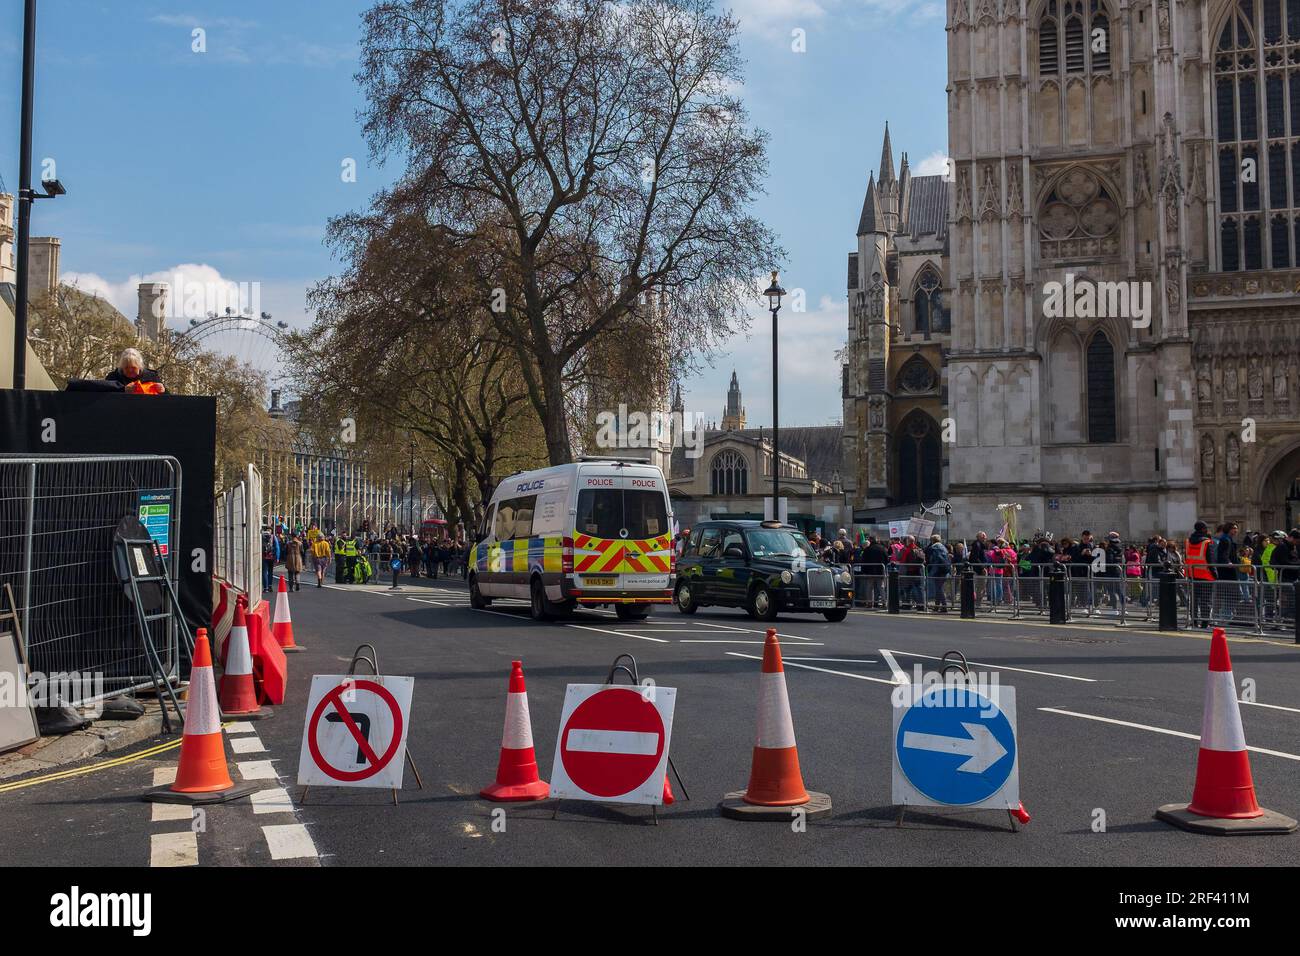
x,y
164,776
166,812
274,800
900,675
602,630
1160,730
289,841
251,744
239,727
759,643
256,770
1001,667
174,849
834,660
1255,703
820,670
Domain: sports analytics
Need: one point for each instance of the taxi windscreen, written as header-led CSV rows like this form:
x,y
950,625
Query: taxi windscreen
x,y
618,513
775,542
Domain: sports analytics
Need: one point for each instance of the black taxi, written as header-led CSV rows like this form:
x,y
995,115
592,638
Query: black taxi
x,y
763,566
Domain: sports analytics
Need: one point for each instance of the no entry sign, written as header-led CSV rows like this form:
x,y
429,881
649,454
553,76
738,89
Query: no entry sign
x,y
613,743
355,733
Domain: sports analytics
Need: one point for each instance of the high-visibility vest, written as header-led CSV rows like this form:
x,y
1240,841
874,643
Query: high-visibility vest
x,y
1196,560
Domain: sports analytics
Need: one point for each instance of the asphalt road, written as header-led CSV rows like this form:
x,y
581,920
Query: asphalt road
x,y
1073,767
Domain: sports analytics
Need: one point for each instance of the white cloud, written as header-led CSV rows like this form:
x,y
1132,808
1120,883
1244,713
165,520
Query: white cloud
x,y
936,164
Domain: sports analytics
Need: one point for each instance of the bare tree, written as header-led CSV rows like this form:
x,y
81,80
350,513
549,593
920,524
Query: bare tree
x,y
582,154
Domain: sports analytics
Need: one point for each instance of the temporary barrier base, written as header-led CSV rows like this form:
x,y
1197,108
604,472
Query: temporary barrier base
x,y
517,793
261,713
164,795
1271,822
292,650
733,805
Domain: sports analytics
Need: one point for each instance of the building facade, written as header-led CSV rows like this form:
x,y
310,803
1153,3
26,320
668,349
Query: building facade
x,y
1139,164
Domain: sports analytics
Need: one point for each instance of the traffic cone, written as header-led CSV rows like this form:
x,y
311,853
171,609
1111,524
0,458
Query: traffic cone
x,y
202,775
282,621
669,799
1223,798
237,696
517,776
775,781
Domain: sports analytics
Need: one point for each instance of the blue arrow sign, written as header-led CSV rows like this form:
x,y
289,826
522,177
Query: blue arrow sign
x,y
955,747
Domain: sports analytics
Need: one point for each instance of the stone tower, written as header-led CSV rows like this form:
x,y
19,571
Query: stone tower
x,y
733,414
1076,130
8,272
151,310
43,266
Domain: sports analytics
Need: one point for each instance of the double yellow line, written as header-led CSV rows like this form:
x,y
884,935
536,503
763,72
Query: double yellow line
x,y
104,765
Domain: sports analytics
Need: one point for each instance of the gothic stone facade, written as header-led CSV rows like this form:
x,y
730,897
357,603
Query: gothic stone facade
x,y
1154,143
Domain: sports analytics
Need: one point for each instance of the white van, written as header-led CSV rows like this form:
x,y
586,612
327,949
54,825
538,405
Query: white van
x,y
596,531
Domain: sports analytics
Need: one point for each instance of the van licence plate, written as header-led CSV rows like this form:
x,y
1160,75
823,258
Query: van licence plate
x,y
599,580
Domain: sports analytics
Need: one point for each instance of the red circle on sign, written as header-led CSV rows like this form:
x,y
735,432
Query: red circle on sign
x,y
333,698
615,768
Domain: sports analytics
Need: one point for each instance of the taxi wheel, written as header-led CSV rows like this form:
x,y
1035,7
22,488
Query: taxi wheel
x,y
476,598
539,606
762,606
837,615
686,599
632,612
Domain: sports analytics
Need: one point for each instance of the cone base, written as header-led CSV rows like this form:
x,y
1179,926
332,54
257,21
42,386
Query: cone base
x,y
260,714
167,795
733,805
292,650
516,793
1178,815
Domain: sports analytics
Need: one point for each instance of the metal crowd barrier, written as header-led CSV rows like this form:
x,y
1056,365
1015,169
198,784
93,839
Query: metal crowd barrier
x,y
1255,604
237,531
58,514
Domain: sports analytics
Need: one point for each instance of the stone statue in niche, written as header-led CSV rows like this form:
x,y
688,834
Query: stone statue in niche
x,y
1231,386
1207,456
1255,382
1233,458
1279,381
1204,387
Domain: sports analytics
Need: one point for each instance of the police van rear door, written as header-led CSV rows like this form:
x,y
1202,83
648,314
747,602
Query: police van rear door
x,y
622,539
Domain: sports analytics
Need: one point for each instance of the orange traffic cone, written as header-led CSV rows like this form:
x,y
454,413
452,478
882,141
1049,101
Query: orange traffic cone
x,y
202,776
282,621
517,776
669,799
1223,799
775,781
238,696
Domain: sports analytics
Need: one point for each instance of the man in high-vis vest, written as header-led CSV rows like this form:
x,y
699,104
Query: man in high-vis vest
x,y
1198,565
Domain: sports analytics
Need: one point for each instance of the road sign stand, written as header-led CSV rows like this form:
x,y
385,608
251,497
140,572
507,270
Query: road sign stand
x,y
373,660
635,676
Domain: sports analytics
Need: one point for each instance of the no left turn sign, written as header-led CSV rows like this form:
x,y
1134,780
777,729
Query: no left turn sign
x,y
355,732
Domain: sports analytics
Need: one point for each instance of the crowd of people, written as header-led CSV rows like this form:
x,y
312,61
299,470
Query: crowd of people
x,y
361,556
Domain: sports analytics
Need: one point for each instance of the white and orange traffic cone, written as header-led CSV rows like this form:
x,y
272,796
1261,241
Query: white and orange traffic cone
x,y
775,780
282,621
237,695
202,775
1223,798
517,776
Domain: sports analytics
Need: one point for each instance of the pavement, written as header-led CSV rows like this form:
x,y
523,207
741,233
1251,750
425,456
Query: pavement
x,y
1107,728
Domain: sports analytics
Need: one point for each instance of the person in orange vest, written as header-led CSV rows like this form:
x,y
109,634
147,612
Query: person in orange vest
x,y
1197,560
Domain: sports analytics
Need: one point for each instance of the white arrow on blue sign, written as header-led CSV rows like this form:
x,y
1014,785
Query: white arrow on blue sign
x,y
956,747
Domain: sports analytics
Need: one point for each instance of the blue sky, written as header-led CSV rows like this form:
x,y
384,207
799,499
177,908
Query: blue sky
x,y
227,163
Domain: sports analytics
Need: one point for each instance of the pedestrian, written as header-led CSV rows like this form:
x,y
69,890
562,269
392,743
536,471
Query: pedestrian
x,y
874,558
321,551
414,557
937,565
1199,559
270,557
293,560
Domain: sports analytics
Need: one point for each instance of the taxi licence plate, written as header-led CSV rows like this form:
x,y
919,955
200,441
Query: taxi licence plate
x,y
599,581
821,603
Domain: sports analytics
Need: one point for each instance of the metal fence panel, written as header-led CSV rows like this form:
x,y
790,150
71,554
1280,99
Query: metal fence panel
x,y
57,518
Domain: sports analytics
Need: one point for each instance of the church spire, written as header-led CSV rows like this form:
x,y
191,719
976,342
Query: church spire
x,y
867,221
887,159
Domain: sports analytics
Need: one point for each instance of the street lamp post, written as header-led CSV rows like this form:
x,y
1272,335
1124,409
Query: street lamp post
x,y
774,293
410,499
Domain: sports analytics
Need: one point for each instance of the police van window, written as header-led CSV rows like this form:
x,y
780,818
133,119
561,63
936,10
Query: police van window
x,y
524,508
486,527
709,541
504,527
615,513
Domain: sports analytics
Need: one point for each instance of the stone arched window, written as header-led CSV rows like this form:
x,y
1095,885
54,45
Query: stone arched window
x,y
1078,218
1099,381
729,474
916,376
928,308
1256,77
1080,28
920,459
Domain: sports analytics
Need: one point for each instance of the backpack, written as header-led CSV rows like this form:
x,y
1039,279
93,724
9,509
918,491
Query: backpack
x,y
268,548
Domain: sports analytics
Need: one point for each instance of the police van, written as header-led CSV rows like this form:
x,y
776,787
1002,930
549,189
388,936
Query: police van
x,y
594,532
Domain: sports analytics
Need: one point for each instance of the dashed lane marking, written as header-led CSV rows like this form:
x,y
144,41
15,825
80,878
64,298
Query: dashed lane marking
x,y
820,670
757,643
239,727
289,841
835,660
1002,667
1159,730
256,770
602,630
164,776
247,745
273,800
1255,703
171,811
174,849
